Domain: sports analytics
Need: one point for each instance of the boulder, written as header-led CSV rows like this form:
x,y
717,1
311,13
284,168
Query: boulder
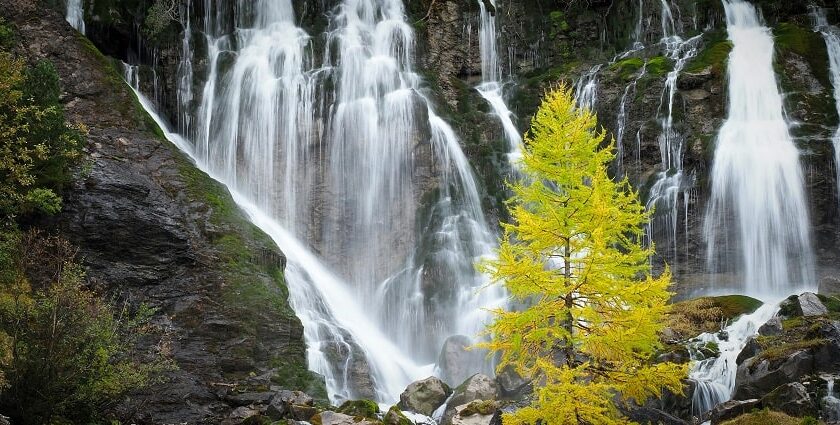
x,y
424,396
511,384
771,327
361,408
477,387
456,361
757,376
478,412
791,398
239,415
810,305
751,349
732,409
333,418
395,417
649,415
295,405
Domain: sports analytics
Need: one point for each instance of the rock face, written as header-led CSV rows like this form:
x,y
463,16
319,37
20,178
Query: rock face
x,y
478,387
456,361
791,398
772,327
153,230
294,405
425,396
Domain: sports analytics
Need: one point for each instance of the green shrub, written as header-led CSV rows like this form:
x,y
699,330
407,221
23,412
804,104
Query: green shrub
x,y
65,354
37,147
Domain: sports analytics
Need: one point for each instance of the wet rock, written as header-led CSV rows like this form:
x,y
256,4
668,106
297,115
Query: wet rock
x,y
830,409
732,409
648,415
456,362
424,396
810,305
751,349
247,399
695,80
757,376
477,387
395,417
295,405
791,398
772,327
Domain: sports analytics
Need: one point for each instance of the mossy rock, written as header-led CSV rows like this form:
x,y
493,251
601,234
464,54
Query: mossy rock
x,y
480,407
360,408
714,56
767,417
792,38
831,302
628,67
693,317
395,417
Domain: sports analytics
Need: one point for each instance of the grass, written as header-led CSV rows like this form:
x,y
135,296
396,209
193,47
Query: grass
x,y
766,417
693,317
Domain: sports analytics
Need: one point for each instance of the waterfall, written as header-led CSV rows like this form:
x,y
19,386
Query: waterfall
x,y
671,182
757,201
344,163
831,35
756,178
491,88
586,89
76,14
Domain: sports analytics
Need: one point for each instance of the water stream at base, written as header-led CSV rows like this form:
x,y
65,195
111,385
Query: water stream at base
x,y
76,15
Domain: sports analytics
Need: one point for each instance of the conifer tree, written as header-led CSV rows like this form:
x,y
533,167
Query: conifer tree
x,y
574,254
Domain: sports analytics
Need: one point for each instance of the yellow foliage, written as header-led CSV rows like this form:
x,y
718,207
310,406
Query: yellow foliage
x,y
573,253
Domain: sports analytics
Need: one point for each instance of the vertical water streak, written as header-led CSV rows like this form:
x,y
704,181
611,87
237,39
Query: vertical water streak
x,y
831,35
586,89
491,89
76,14
757,186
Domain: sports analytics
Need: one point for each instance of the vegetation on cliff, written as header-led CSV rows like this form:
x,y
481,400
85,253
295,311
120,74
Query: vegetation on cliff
x,y
574,253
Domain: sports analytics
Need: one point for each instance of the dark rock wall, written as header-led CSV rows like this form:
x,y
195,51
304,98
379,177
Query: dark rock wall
x,y
154,230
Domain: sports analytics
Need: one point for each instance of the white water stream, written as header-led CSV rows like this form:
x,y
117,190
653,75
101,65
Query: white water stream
x,y
348,155
831,35
76,15
757,213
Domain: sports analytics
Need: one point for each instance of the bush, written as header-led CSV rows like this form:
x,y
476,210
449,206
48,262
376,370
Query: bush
x,y
65,354
37,147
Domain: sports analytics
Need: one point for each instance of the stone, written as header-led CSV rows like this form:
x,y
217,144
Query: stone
x,y
333,418
791,398
395,417
756,376
732,409
424,397
456,361
466,414
830,285
477,387
750,350
247,399
362,408
295,405
830,409
511,384
810,305
771,327
648,415
239,415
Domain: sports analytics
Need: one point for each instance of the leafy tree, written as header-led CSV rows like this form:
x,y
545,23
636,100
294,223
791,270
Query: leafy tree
x,y
573,253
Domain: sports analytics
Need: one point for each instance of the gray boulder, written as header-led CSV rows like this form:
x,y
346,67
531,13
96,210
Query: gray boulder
x,y
295,405
511,384
830,409
477,387
810,305
772,327
333,418
239,415
424,396
791,398
478,412
456,362
732,409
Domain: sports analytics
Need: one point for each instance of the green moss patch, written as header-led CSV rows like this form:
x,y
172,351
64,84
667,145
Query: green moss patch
x,y
715,55
807,44
626,68
479,407
360,408
766,417
693,317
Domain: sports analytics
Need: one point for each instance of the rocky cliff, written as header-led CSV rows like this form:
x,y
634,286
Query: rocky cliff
x,y
154,230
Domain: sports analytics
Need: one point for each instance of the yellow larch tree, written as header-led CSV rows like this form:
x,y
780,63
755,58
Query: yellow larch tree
x,y
574,255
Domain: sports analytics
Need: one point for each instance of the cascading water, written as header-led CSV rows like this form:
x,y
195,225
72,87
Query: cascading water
x,y
349,156
756,178
586,89
490,87
757,201
831,35
76,15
